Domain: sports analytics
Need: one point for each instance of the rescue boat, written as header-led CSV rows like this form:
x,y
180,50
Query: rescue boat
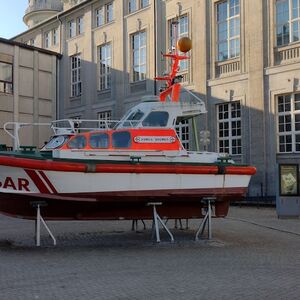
x,y
98,170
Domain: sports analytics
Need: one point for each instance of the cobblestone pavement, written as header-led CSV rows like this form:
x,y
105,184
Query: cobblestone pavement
x,y
253,255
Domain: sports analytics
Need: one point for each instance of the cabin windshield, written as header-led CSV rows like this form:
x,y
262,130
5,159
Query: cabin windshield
x,y
133,119
156,119
121,139
99,140
56,142
78,142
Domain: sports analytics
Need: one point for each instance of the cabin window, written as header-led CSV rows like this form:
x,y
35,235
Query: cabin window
x,y
121,139
79,142
156,119
99,140
134,118
56,142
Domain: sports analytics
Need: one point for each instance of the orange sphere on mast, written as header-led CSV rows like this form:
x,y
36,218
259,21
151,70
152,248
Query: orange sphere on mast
x,y
184,44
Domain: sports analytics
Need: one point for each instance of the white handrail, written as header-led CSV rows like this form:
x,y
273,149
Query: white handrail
x,y
16,127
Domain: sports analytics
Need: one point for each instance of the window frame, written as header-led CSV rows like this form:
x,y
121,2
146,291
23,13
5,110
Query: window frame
x,y
47,39
291,21
55,36
293,133
104,13
183,64
229,38
80,25
109,19
72,28
106,76
5,82
138,76
230,138
183,131
76,85
138,5
105,119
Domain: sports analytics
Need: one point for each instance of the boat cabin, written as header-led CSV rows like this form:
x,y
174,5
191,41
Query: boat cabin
x,y
121,139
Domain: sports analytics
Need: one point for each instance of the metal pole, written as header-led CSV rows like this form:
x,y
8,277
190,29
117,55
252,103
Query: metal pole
x,y
195,134
209,221
156,224
38,227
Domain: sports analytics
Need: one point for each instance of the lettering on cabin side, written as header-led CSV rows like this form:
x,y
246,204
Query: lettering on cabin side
x,y
21,184
154,139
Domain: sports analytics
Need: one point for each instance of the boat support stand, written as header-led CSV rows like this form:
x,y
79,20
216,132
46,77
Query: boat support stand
x,y
206,222
156,220
38,221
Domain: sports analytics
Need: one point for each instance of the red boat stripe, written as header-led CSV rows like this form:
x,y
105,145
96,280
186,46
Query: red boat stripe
x,y
37,181
122,168
50,185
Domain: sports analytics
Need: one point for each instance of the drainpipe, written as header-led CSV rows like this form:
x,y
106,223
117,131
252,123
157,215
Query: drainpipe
x,y
155,47
58,69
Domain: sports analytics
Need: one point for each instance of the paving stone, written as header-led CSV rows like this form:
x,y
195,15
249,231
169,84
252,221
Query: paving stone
x,y
253,255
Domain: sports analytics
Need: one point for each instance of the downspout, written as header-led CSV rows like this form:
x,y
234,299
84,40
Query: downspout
x,y
58,69
155,48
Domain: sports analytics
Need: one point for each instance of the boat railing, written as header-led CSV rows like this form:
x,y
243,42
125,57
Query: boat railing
x,y
13,128
73,126
68,127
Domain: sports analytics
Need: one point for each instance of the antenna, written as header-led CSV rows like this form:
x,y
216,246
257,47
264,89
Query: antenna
x,y
173,80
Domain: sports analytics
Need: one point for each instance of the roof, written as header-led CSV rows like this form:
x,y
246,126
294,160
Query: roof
x,y
14,43
57,16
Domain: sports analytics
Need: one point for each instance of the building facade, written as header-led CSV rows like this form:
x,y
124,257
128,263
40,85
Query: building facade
x,y
244,65
28,79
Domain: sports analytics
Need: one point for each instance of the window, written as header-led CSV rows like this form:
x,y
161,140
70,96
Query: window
x,y
183,132
104,115
134,5
80,25
139,56
287,21
47,39
109,12
75,75
156,119
100,16
133,119
105,118
104,67
6,78
55,36
228,29
78,142
99,140
288,122
56,142
144,3
229,128
121,139
104,14
72,28
182,31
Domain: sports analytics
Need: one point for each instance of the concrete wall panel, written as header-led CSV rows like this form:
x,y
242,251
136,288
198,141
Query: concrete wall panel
x,y
26,82
26,105
26,58
45,85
